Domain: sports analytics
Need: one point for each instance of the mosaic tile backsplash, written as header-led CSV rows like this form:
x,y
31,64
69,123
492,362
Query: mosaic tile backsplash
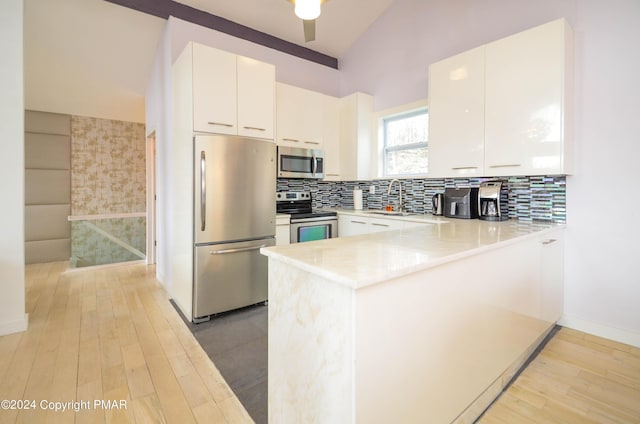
x,y
533,198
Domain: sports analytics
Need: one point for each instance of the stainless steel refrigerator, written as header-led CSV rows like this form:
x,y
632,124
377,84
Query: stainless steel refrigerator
x,y
234,216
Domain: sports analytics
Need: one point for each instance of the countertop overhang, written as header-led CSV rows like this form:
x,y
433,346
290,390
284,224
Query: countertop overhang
x,y
364,260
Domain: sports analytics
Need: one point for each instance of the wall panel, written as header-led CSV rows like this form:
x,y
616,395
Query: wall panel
x,y
47,187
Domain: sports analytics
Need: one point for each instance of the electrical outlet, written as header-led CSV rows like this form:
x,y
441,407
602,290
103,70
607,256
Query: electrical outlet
x,y
372,189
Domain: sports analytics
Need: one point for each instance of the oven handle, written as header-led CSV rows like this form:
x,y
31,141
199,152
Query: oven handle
x,y
318,219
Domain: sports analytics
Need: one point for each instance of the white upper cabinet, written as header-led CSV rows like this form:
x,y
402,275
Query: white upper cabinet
x,y
299,117
456,115
503,108
356,115
331,138
256,98
525,104
214,90
229,94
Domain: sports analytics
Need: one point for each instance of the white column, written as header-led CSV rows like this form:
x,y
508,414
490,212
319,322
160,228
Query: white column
x,y
12,277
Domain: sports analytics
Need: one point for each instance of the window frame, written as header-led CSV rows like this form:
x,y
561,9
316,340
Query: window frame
x,y
391,149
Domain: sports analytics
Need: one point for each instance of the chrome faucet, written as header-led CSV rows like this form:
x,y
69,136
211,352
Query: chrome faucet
x,y
400,192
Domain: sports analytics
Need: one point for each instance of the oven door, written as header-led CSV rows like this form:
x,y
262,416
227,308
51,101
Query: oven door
x,y
310,229
300,163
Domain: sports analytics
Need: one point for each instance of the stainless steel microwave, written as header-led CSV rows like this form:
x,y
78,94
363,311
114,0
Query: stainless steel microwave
x,y
294,162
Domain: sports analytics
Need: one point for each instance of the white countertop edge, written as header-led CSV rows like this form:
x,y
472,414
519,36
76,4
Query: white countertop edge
x,y
361,283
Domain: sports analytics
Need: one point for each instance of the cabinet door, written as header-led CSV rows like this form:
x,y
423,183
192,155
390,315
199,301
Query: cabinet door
x,y
283,235
299,117
331,138
214,91
456,115
552,278
256,98
352,225
524,102
377,225
356,150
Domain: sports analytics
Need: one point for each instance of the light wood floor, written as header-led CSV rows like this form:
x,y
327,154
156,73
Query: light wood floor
x,y
576,378
109,334
112,334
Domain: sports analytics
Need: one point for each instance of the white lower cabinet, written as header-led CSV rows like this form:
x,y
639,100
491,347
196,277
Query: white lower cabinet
x,y
377,225
352,225
283,234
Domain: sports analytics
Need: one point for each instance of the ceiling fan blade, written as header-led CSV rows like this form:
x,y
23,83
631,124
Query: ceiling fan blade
x,y
309,29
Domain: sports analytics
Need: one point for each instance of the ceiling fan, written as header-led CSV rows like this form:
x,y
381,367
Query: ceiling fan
x,y
308,11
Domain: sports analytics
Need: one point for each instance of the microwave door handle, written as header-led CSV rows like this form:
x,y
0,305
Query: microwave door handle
x,y
203,191
314,164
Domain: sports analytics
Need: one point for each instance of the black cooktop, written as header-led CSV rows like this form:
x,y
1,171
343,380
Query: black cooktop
x,y
299,205
312,214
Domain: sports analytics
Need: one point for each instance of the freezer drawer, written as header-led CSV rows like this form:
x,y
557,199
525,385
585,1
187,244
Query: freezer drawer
x,y
229,276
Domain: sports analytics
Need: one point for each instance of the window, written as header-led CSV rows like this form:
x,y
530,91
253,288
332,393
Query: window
x,y
405,144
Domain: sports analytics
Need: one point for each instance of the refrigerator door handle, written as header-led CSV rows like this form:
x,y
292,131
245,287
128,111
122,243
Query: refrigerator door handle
x,y
241,249
203,190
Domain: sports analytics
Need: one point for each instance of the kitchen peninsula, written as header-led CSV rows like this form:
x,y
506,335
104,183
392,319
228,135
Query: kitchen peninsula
x,y
424,324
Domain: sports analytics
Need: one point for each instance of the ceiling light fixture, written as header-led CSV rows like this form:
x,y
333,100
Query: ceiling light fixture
x,y
307,9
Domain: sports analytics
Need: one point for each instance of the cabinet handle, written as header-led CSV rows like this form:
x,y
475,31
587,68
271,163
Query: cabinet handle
x,y
254,128
379,225
203,191
464,167
311,142
358,222
549,241
220,123
511,165
291,139
332,175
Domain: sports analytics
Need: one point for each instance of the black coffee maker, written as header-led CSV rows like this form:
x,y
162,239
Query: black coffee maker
x,y
493,201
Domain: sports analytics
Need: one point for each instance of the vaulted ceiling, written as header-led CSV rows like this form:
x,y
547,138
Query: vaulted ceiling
x,y
96,55
340,24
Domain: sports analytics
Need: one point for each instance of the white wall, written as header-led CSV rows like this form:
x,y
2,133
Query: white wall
x,y
602,283
78,61
12,279
158,111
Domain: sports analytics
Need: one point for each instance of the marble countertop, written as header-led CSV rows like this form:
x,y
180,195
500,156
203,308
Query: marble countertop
x,y
363,260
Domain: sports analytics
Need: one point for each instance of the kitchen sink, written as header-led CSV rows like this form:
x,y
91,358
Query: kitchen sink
x,y
392,213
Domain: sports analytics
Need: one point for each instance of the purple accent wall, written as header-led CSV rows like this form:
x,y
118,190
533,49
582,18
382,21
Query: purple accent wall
x,y
390,61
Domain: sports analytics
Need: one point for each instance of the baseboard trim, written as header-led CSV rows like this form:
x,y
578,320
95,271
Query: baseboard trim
x,y
16,326
611,333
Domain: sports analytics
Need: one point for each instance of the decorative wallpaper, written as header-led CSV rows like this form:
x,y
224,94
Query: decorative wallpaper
x,y
107,166
539,198
107,177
